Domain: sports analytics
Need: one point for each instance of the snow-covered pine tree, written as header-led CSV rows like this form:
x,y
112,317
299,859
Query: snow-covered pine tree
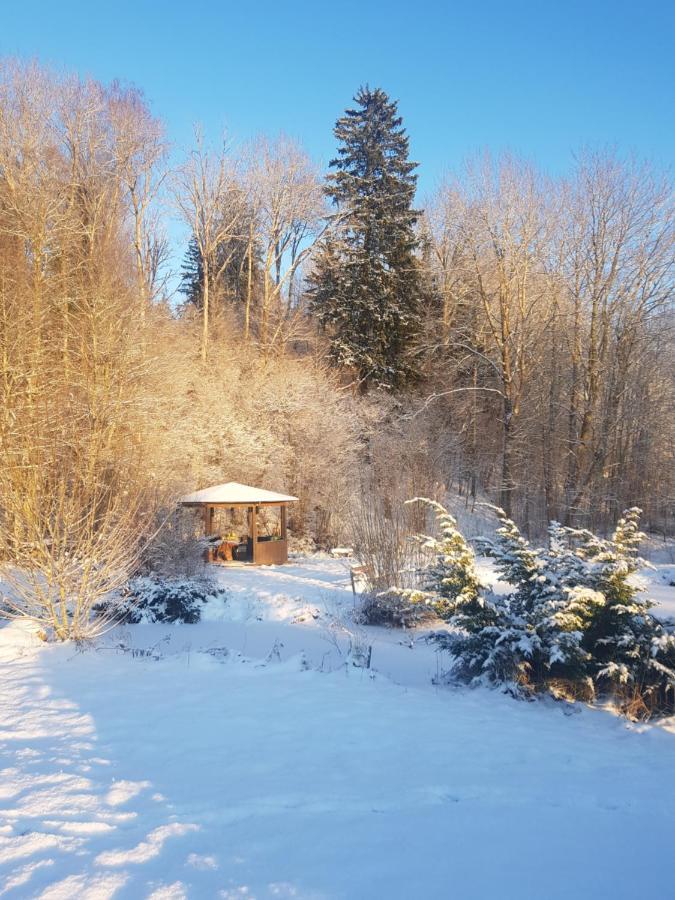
x,y
573,624
632,654
366,286
516,561
533,640
510,651
450,581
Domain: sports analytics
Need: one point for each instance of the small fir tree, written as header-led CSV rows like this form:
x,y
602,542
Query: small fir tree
x,y
573,622
451,579
633,654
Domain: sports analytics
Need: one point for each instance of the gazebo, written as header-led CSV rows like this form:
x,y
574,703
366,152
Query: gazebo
x,y
261,544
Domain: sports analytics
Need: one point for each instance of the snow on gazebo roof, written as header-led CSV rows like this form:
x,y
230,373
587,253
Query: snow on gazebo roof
x,y
233,493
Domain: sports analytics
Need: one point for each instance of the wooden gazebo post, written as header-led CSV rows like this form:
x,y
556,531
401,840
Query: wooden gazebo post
x,y
254,532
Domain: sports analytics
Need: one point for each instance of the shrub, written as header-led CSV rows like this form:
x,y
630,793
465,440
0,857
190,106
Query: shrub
x,y
633,654
394,608
177,549
68,541
449,583
573,624
451,579
381,533
155,598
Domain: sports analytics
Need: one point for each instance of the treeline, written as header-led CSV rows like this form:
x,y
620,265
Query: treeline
x,y
553,336
511,340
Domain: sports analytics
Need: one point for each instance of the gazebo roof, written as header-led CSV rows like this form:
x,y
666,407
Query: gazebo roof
x,y
232,493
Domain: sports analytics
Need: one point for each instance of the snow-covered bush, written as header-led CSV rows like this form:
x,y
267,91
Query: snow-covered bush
x,y
381,532
572,624
451,580
68,542
395,608
519,640
156,598
301,544
445,567
633,654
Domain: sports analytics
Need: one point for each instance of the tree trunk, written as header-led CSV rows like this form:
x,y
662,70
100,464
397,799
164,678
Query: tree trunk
x,y
205,310
506,489
249,286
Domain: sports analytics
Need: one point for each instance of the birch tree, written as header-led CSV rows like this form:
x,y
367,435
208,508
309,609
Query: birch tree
x,y
140,155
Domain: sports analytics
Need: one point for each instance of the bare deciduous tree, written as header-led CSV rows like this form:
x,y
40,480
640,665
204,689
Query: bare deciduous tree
x,y
555,298
209,197
288,202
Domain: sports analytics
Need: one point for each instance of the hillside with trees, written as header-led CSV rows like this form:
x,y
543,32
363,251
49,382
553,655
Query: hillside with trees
x,y
509,341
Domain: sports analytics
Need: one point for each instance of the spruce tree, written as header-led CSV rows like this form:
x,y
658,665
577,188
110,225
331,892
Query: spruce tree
x,y
451,583
366,287
192,275
228,268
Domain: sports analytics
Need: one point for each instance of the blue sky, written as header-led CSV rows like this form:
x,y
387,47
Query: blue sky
x,y
538,78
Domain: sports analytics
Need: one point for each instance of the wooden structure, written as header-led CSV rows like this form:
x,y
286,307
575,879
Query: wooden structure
x,y
254,547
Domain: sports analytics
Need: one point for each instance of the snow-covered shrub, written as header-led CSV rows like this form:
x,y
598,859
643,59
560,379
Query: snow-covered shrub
x,y
156,598
444,566
395,608
450,579
301,544
633,654
519,640
573,623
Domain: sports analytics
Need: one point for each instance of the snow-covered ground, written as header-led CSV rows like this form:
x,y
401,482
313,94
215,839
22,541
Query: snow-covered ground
x,y
241,758
659,585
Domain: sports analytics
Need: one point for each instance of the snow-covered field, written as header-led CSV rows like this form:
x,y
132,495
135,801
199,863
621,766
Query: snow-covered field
x,y
241,758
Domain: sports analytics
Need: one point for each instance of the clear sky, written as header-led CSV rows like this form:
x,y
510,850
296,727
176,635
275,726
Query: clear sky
x,y
540,78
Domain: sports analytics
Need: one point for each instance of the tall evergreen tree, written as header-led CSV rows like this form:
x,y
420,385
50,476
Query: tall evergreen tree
x,y
366,287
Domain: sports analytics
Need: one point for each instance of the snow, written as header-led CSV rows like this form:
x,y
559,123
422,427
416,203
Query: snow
x,y
233,492
659,585
242,758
